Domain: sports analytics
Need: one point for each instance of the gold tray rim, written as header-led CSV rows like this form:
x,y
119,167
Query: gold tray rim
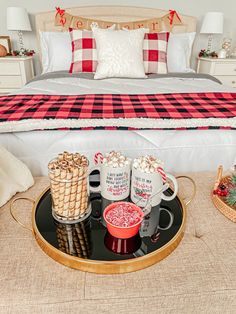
x,y
108,267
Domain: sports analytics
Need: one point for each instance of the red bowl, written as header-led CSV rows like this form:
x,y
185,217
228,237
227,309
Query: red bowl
x,y
123,232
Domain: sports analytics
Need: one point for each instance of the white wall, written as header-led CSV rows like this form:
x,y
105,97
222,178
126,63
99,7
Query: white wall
x,y
195,8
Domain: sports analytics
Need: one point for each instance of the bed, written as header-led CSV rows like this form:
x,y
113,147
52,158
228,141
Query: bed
x,y
185,146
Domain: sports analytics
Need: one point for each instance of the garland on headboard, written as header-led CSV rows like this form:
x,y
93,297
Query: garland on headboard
x,y
166,22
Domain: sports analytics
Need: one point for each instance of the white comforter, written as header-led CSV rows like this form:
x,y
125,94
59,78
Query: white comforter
x,y
75,86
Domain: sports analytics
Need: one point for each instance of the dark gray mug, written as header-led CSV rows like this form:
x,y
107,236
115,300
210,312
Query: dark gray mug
x,y
150,224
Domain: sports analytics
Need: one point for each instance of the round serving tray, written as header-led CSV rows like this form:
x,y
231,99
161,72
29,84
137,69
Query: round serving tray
x,y
87,246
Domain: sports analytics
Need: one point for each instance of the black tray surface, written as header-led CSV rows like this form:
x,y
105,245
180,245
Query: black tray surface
x,y
89,239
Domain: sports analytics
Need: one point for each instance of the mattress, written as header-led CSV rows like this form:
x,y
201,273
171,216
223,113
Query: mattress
x,y
181,150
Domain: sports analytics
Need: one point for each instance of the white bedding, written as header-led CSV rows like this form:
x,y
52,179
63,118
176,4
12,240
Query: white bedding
x,y
74,86
182,151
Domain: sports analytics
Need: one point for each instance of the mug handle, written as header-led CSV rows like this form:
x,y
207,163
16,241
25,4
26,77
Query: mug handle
x,y
171,219
174,181
95,189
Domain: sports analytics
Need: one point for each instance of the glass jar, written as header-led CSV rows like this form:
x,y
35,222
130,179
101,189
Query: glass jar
x,y
70,192
75,239
227,45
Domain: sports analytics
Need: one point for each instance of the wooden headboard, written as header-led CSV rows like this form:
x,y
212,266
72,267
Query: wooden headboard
x,y
45,21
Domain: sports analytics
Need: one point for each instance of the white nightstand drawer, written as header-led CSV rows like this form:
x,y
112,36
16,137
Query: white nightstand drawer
x,y
10,81
225,69
9,68
228,80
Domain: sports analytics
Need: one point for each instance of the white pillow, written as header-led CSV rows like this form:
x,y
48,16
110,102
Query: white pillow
x,y
56,51
120,53
179,52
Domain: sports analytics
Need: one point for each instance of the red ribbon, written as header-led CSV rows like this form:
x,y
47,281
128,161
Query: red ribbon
x,y
60,11
172,14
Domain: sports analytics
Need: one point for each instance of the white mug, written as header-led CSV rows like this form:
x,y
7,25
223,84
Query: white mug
x,y
145,186
114,182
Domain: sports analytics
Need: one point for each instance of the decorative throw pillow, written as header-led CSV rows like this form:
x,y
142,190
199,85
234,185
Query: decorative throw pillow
x,y
84,52
179,52
56,51
155,52
120,53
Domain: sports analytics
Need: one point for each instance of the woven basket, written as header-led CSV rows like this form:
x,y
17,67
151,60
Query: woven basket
x,y
218,201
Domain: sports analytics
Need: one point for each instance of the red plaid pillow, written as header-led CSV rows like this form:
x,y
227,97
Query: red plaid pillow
x,y
155,52
84,52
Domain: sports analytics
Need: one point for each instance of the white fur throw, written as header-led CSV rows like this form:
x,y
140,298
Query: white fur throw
x,y
14,176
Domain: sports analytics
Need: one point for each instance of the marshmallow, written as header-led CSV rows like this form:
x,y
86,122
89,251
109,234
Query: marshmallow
x,y
147,164
115,160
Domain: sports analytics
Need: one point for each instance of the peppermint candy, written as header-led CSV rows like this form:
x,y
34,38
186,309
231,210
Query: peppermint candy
x,y
123,215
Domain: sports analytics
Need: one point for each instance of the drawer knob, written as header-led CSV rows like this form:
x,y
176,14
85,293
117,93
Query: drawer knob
x,y
233,82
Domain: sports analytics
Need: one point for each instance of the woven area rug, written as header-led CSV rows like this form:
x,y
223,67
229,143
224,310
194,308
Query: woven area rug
x,y
198,277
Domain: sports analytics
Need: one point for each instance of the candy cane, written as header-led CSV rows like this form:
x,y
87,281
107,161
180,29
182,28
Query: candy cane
x,y
162,173
98,158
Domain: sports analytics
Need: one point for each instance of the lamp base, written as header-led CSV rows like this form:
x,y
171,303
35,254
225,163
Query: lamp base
x,y
209,45
21,41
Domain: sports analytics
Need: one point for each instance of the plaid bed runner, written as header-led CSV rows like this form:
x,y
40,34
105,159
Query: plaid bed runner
x,y
109,111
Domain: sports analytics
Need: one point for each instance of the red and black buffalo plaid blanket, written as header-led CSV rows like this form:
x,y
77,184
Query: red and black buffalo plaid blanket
x,y
160,111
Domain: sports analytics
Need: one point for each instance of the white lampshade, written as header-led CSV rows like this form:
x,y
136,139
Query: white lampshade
x,y
18,19
213,23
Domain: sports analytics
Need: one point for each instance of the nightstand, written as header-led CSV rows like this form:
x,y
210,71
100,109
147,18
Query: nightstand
x,y
223,69
15,72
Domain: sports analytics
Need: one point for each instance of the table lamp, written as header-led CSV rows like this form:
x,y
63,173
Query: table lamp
x,y
18,20
212,24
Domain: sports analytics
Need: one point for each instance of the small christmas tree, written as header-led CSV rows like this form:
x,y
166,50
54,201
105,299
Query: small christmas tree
x,y
233,180
231,197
